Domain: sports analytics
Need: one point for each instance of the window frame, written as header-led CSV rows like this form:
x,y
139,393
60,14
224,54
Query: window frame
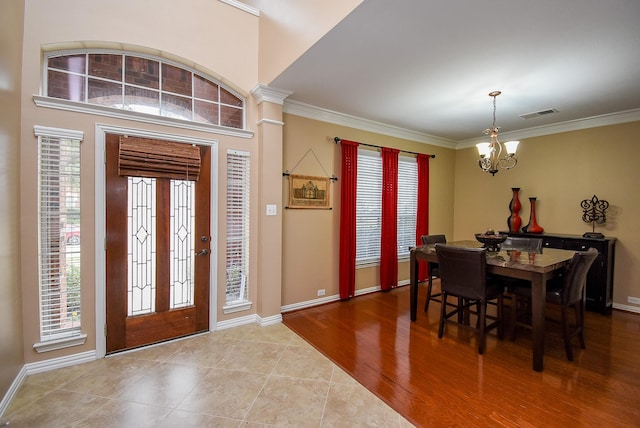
x,y
45,101
50,210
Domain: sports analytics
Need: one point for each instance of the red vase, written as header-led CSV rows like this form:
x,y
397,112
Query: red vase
x,y
533,226
514,221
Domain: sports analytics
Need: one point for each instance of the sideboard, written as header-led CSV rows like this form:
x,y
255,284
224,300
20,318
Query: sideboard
x,y
600,277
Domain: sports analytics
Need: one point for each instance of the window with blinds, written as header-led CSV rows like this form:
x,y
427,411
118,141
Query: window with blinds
x,y
407,204
237,263
369,206
59,235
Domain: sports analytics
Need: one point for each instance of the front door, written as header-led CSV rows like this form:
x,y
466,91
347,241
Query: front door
x,y
157,253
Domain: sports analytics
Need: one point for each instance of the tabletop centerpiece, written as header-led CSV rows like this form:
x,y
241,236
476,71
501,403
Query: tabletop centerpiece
x,y
491,240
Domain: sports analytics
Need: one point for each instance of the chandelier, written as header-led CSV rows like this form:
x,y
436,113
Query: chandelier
x,y
491,153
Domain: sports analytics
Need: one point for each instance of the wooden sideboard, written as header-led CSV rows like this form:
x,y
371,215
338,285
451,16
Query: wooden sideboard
x,y
600,277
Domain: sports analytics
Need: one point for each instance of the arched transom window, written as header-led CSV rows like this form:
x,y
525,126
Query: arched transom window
x,y
142,84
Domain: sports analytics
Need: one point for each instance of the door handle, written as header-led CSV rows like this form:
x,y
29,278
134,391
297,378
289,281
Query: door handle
x,y
203,252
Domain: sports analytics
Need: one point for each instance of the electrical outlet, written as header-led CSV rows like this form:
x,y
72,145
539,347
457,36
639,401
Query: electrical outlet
x,y
635,300
321,292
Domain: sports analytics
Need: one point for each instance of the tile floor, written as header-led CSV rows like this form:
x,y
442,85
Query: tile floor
x,y
248,376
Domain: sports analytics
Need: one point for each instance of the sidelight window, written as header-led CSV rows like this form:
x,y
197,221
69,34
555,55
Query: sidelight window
x,y
237,258
59,244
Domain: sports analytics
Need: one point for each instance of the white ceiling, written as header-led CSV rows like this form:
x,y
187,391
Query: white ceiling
x,y
428,65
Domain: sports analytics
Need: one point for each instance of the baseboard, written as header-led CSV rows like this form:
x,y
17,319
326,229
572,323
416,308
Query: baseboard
x,y
236,322
274,319
249,319
309,303
39,367
58,363
333,298
627,308
13,389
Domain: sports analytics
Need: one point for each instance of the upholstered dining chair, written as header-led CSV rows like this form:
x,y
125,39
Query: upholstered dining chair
x,y
529,245
570,293
463,274
434,271
518,244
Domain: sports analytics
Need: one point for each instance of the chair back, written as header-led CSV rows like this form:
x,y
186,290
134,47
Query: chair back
x,y
433,239
463,271
576,275
530,245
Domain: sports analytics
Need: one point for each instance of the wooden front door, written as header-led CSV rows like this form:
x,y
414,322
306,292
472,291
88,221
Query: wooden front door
x,y
157,254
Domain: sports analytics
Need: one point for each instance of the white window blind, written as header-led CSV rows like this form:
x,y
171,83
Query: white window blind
x,y
407,204
369,206
238,173
59,236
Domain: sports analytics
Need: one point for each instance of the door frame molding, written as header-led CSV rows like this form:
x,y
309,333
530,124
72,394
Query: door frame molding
x,y
100,220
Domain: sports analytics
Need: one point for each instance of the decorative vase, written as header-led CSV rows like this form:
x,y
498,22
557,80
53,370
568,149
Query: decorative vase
x,y
514,221
533,226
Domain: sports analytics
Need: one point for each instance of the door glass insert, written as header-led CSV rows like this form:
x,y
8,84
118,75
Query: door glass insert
x,y
182,243
141,217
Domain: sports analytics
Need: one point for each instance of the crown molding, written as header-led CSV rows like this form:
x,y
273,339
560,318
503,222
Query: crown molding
x,y
269,94
242,6
556,128
311,112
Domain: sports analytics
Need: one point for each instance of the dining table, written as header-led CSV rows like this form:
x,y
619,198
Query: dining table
x,y
537,268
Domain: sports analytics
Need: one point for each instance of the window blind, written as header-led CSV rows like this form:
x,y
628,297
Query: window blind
x,y
59,236
369,206
142,157
407,204
237,258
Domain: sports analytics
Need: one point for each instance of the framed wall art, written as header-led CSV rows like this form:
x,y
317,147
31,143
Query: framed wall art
x,y
307,191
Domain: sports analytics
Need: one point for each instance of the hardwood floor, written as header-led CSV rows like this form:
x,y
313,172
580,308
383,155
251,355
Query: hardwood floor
x,y
444,382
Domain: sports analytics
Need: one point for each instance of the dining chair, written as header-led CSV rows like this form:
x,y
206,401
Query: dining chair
x,y
529,245
463,274
433,270
569,293
518,244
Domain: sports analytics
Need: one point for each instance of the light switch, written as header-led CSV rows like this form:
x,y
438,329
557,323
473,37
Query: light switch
x,y
271,210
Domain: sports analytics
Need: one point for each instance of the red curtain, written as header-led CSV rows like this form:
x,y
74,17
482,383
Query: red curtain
x,y
348,184
422,216
389,229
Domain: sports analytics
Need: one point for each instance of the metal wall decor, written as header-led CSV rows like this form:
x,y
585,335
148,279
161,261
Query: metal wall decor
x,y
594,213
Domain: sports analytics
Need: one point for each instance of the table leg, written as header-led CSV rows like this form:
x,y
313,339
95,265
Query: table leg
x,y
538,299
413,262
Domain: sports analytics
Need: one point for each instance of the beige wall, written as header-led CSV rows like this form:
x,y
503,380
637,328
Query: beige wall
x,y
11,355
210,36
311,237
289,27
561,170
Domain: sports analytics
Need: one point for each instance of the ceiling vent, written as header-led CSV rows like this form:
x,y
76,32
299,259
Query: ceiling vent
x,y
539,113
